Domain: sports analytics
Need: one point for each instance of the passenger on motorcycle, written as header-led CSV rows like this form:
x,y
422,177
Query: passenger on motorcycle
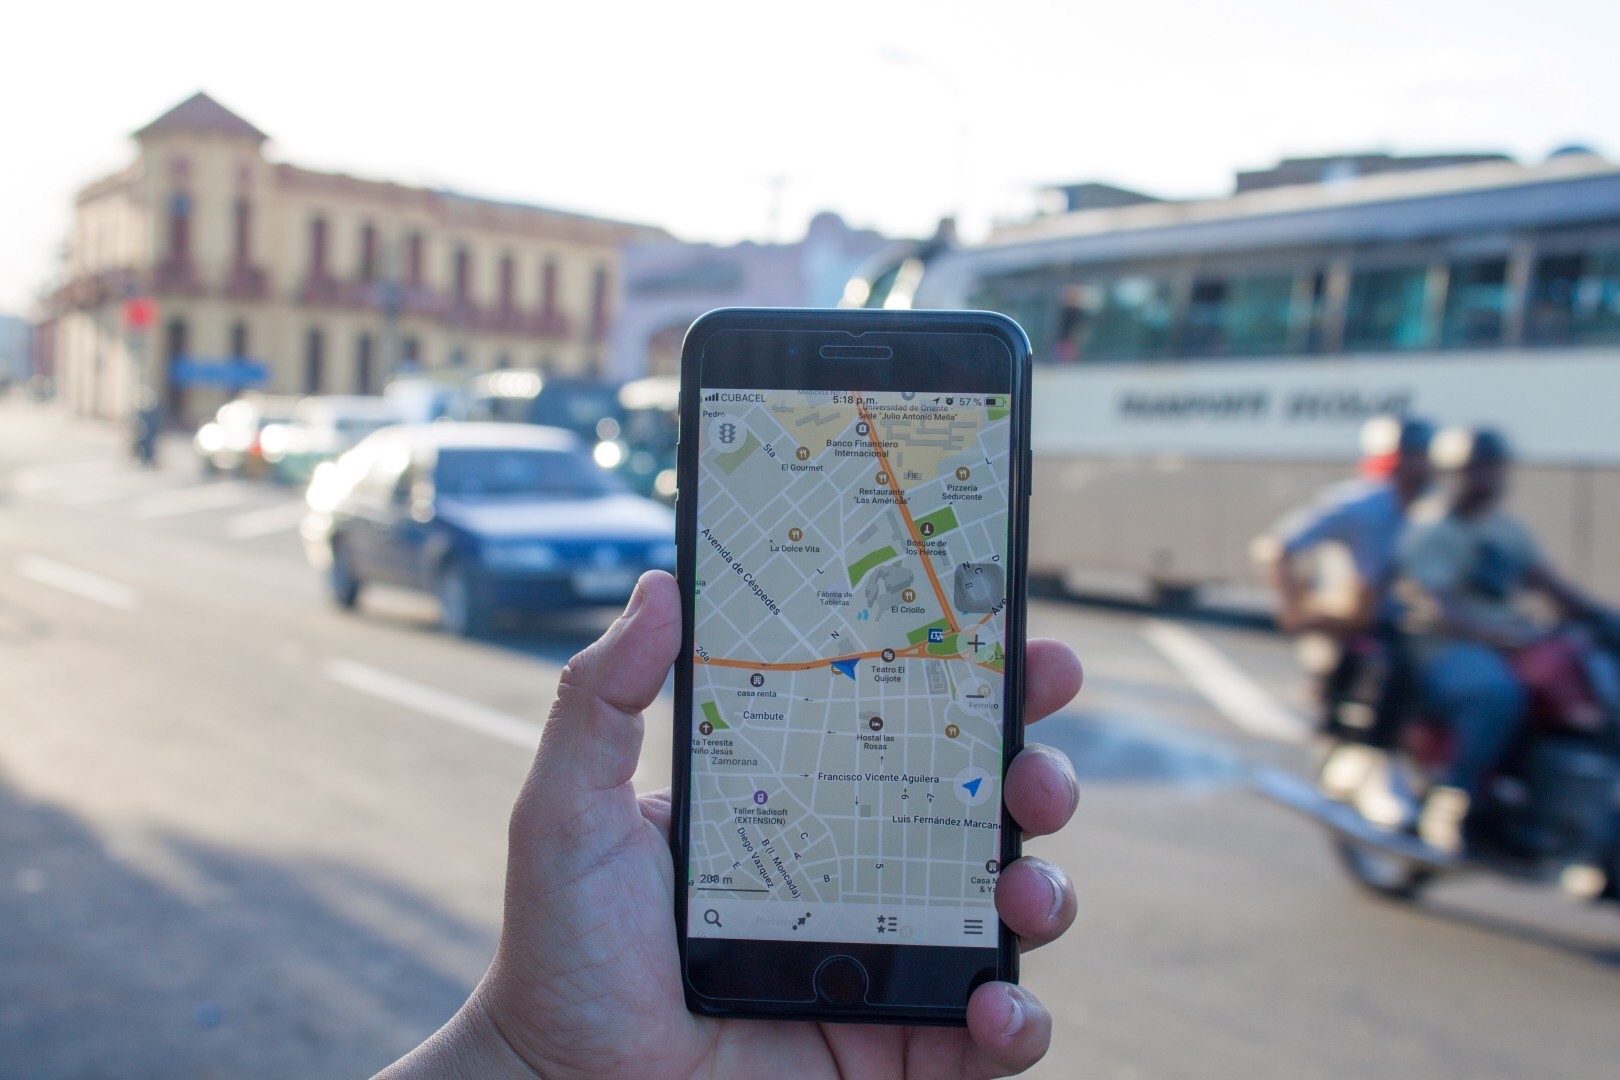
x,y
1465,567
1365,517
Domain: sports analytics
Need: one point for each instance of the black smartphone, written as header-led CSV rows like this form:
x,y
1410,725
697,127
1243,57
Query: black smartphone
x,y
851,519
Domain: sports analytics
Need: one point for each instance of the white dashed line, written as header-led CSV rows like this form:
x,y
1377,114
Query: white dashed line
x,y
272,519
435,703
190,500
40,478
80,583
1224,685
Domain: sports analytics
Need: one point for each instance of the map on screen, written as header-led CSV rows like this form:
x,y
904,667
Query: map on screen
x,y
847,693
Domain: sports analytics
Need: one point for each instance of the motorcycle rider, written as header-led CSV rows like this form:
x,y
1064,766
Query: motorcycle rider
x,y
1464,566
1365,516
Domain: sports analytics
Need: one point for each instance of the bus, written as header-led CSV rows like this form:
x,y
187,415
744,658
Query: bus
x,y
1204,367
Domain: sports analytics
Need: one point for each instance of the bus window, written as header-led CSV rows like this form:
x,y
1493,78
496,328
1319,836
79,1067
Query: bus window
x,y
1077,315
1028,302
1386,309
1575,298
1124,319
1310,313
1239,316
1476,299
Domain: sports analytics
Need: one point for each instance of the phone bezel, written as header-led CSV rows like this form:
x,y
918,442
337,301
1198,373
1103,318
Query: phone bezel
x,y
758,348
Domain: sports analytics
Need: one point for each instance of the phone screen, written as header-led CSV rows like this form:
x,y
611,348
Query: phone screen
x,y
849,593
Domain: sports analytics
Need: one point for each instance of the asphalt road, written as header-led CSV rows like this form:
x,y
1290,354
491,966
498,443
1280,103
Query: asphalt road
x,y
243,834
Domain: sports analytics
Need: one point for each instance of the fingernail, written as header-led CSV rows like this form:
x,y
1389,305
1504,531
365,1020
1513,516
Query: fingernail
x,y
1015,1014
1073,781
636,599
1054,881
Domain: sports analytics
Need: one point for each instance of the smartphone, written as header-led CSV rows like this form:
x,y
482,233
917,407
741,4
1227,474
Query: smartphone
x,y
851,515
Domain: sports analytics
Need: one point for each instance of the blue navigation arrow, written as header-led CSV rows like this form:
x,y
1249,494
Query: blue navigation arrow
x,y
845,666
973,786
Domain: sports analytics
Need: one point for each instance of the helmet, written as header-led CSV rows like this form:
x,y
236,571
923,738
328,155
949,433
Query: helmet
x,y
1463,448
1395,435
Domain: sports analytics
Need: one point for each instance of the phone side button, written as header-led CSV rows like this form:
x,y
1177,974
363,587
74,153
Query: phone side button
x,y
841,980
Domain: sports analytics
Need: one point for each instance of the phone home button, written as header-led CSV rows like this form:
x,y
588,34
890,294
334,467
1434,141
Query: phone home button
x,y
841,980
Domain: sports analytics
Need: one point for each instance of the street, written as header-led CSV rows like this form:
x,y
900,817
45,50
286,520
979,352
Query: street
x,y
244,834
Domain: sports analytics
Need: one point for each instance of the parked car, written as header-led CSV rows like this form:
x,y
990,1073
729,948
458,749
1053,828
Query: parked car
x,y
420,399
230,442
520,396
485,516
321,429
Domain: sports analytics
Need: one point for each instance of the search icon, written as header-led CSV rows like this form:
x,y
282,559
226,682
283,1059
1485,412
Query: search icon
x,y
712,917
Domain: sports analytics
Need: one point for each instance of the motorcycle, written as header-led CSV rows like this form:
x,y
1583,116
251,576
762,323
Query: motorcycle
x,y
1550,812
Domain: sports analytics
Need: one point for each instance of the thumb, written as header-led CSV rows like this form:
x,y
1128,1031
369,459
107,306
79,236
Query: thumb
x,y
592,739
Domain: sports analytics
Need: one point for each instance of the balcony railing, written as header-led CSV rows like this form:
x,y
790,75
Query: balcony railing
x,y
176,275
247,282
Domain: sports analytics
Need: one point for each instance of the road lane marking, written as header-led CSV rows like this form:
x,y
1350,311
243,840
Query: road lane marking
x,y
272,519
106,489
78,582
37,478
1224,685
189,500
435,703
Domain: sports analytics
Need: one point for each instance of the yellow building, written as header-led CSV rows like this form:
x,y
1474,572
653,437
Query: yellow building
x,y
280,278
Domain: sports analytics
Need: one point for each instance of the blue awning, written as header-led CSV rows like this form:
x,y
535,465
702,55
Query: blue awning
x,y
237,371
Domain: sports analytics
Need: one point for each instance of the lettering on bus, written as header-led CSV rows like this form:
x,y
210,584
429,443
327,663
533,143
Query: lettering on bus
x,y
1300,406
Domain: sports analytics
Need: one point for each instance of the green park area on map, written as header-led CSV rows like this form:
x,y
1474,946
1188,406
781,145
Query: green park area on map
x,y
943,520
867,562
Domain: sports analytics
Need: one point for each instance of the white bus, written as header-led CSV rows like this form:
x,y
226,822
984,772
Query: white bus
x,y
1204,367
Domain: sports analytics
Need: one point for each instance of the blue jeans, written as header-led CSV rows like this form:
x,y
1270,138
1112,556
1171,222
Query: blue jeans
x,y
1476,693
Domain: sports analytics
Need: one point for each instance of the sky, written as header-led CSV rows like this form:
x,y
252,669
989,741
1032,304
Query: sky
x,y
732,121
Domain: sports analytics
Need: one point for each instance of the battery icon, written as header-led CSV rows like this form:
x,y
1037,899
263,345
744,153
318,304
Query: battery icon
x,y
989,402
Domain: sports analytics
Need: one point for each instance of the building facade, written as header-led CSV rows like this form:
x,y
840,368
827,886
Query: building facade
x,y
16,350
275,277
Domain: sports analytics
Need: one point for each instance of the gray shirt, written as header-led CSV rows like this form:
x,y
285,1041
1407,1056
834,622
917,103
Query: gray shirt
x,y
1364,516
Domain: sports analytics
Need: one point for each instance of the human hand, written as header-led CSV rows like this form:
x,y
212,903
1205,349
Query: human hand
x,y
586,979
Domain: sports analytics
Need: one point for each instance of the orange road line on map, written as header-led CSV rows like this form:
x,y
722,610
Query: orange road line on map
x,y
905,512
765,665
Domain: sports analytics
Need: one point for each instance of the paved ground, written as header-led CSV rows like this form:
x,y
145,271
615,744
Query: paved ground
x,y
226,851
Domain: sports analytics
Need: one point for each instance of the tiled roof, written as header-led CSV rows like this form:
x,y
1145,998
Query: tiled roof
x,y
201,113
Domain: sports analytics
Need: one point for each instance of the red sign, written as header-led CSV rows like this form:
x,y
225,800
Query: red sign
x,y
140,312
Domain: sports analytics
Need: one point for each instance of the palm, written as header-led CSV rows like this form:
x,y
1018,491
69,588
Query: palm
x,y
586,980
633,1013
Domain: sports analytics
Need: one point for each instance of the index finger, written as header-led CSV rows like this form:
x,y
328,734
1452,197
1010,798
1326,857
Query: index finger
x,y
1052,676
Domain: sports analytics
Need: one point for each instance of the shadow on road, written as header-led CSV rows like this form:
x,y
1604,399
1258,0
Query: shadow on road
x,y
1180,610
1125,752
1519,930
165,956
552,636
555,636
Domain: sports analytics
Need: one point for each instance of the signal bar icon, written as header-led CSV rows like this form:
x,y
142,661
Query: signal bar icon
x,y
713,397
